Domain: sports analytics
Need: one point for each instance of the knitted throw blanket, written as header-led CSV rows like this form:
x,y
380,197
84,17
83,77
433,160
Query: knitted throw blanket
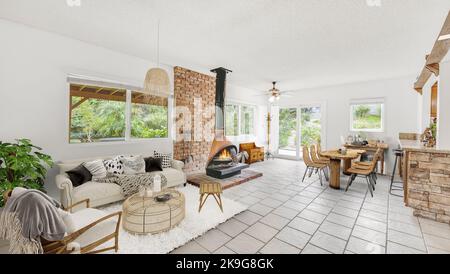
x,y
28,216
131,184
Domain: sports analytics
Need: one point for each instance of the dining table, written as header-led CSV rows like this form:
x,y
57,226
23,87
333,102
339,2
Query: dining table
x,y
336,158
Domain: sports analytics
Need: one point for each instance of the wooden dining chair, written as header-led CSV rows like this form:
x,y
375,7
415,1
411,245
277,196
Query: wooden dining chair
x,y
312,167
320,160
365,170
319,150
362,165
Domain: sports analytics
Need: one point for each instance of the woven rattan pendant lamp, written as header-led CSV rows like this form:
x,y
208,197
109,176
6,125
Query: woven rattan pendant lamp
x,y
157,80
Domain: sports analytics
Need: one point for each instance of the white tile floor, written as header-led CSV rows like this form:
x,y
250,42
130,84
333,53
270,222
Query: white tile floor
x,y
287,216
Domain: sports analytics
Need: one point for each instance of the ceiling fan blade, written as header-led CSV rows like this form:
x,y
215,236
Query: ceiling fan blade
x,y
287,91
287,95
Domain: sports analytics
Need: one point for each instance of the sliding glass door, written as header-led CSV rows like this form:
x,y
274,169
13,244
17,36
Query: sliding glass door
x,y
288,133
298,127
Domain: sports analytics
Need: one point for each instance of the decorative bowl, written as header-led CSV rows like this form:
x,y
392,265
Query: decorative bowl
x,y
163,198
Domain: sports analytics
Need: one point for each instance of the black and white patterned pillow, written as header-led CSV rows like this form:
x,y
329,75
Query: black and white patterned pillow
x,y
166,158
114,166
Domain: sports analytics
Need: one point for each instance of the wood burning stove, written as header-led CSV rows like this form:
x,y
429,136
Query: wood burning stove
x,y
222,162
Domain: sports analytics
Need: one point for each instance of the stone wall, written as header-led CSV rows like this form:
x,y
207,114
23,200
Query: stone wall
x,y
194,117
429,185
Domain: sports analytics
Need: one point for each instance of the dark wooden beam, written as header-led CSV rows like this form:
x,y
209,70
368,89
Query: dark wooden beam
x,y
79,103
439,51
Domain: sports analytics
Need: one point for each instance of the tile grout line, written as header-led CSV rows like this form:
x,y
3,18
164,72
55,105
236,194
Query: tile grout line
x,y
357,217
387,223
326,216
287,225
273,209
423,237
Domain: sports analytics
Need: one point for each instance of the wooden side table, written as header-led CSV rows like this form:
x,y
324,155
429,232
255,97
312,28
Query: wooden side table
x,y
208,189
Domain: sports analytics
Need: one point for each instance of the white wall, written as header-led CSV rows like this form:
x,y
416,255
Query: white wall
x,y
34,95
401,108
444,106
34,101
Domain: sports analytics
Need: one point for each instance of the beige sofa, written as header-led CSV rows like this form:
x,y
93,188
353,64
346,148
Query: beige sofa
x,y
101,193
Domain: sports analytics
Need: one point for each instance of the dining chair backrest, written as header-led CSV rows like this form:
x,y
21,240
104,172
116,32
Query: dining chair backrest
x,y
306,156
319,148
375,159
313,152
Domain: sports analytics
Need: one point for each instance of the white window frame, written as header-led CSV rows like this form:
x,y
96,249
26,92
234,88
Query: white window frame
x,y
240,105
369,101
75,79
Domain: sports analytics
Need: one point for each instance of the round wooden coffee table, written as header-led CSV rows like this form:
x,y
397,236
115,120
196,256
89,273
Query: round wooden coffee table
x,y
145,215
335,164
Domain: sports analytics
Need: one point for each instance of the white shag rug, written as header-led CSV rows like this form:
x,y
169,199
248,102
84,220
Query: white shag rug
x,y
194,225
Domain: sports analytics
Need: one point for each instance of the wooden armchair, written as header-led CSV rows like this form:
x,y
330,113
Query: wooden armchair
x,y
255,153
100,229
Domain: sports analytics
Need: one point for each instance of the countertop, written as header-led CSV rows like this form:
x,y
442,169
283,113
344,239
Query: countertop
x,y
416,145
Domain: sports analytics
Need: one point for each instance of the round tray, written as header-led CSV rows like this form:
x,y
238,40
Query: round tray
x,y
163,198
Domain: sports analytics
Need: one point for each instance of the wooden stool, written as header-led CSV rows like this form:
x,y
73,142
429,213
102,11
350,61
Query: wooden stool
x,y
208,189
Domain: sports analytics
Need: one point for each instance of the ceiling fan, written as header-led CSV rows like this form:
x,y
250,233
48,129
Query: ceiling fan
x,y
275,94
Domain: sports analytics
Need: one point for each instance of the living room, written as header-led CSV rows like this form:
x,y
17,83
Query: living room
x,y
220,103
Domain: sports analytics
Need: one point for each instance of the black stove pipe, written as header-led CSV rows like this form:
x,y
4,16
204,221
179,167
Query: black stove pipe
x,y
221,79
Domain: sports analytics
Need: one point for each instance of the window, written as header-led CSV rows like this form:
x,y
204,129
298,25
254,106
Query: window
x,y
231,120
311,125
239,120
99,114
367,116
149,116
247,116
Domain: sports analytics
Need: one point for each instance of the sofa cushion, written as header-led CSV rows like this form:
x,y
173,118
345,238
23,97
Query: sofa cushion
x,y
166,158
153,164
79,175
174,177
96,191
96,168
133,165
114,166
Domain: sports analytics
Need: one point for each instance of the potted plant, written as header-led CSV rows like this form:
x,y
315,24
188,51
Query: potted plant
x,y
22,165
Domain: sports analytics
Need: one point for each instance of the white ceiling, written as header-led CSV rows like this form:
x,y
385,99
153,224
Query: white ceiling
x,y
300,43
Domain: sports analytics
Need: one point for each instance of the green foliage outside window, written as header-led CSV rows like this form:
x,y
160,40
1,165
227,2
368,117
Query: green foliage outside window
x,y
367,117
310,126
96,120
231,120
102,120
247,116
149,121
287,126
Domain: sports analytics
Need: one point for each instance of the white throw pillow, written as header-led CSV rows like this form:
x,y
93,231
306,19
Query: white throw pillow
x,y
114,166
96,168
166,158
133,165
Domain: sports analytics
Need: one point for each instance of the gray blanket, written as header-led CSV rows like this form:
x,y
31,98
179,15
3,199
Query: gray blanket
x,y
38,215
